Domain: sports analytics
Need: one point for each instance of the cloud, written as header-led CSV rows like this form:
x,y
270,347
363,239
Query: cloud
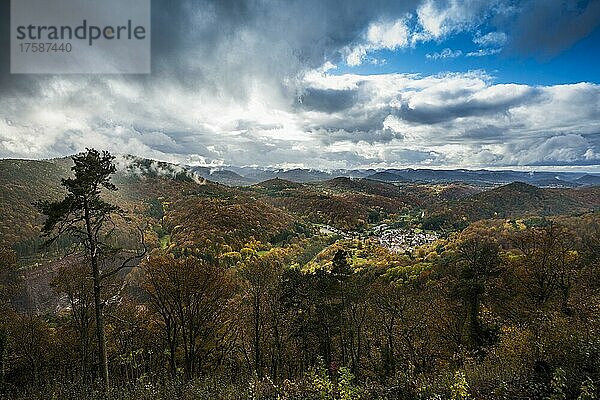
x,y
483,52
491,39
342,121
440,18
446,53
463,120
327,100
248,83
380,35
557,150
432,20
546,27
532,27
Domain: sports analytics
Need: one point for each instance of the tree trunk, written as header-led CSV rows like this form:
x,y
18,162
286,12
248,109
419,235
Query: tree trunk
x,y
98,306
100,324
257,361
475,329
3,342
172,349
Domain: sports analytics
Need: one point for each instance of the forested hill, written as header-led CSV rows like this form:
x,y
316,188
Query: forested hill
x,y
267,210
520,199
153,193
23,182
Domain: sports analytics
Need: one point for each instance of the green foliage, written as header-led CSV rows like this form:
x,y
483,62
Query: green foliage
x,y
459,390
319,381
322,386
345,385
520,199
409,274
83,204
558,385
24,182
588,390
156,208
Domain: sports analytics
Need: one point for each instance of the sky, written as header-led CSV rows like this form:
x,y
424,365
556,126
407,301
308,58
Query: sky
x,y
332,85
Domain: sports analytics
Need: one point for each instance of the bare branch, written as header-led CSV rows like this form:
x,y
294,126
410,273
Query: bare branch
x,y
126,264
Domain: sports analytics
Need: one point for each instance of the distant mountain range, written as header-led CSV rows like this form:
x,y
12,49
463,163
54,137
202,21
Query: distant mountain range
x,y
487,177
244,176
247,176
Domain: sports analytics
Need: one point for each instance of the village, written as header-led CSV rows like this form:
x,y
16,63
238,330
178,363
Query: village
x,y
404,240
397,240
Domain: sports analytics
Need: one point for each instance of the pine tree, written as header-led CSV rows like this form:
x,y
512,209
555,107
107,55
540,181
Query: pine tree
x,y
83,214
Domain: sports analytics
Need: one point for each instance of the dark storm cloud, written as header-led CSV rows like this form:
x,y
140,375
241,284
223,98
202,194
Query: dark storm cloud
x,y
487,133
356,120
329,137
222,45
22,84
218,44
468,107
547,27
328,100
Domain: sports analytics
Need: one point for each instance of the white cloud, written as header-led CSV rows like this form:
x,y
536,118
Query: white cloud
x,y
431,21
390,35
460,119
446,53
483,52
438,19
491,39
464,120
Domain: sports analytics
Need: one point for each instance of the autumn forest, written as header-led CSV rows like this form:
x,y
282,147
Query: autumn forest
x,y
143,280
